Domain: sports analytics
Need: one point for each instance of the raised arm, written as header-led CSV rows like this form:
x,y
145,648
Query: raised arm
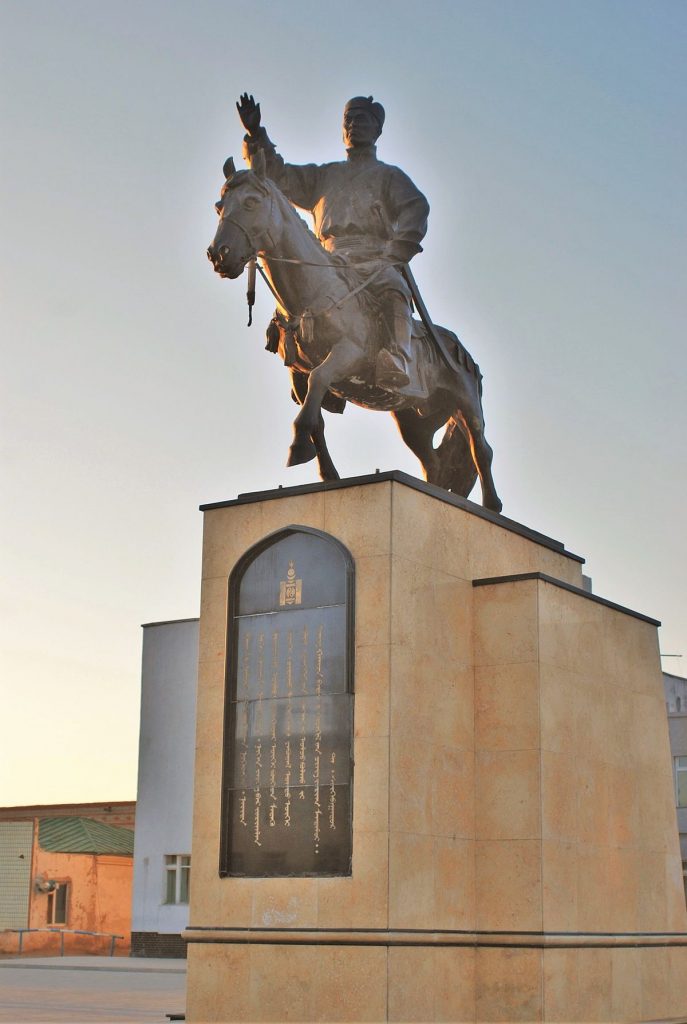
x,y
300,184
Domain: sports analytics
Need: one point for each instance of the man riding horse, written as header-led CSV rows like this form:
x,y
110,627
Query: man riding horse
x,y
366,212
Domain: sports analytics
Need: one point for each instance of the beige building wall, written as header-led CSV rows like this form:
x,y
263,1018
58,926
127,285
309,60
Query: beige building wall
x,y
511,801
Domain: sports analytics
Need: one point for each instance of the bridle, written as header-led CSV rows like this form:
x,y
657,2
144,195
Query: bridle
x,y
253,249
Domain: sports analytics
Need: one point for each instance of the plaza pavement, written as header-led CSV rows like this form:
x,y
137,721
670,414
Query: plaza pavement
x,y
71,990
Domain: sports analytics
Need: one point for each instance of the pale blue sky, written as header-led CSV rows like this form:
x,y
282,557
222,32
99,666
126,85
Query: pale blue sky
x,y
549,138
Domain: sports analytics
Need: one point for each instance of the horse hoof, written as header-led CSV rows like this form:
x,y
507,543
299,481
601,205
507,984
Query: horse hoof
x,y
302,452
495,505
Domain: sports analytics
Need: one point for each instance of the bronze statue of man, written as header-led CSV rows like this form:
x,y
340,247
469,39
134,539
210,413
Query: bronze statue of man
x,y
364,211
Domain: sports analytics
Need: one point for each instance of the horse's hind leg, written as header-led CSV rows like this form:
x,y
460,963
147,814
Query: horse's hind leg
x,y
299,385
473,421
418,434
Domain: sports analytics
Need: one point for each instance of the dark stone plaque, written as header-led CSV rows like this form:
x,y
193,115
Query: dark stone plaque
x,y
287,791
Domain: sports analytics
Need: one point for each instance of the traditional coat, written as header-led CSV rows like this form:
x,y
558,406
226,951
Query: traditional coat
x,y
362,208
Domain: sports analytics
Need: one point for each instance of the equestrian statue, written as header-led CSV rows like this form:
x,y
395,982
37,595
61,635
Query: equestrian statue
x,y
344,323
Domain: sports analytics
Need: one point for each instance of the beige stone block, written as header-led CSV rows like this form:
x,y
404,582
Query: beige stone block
x,y
207,797
370,892
592,801
494,551
453,793
411,880
210,727
559,879
284,903
505,623
592,888
591,725
213,620
626,985
227,534
557,700
655,974
656,809
558,566
371,784
430,532
507,707
508,985
595,985
211,684
431,984
507,794
574,646
360,517
454,884
232,901
622,883
677,980
294,510
371,717
620,724
559,796
651,891
362,900
508,885
431,614
432,788
316,983
372,600
435,694
208,997
560,984
282,983
431,882
650,731
632,654
623,808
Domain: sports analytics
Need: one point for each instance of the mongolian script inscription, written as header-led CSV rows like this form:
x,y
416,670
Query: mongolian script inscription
x,y
287,789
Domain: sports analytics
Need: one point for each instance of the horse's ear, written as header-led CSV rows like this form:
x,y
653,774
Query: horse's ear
x,y
229,168
258,164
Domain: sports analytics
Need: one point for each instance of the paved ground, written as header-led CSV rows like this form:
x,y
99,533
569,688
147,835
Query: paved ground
x,y
104,989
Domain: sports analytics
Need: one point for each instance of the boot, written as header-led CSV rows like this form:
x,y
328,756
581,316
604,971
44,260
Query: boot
x,y
394,361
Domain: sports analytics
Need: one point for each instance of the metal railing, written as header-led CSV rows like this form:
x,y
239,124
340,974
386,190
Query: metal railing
x,y
66,931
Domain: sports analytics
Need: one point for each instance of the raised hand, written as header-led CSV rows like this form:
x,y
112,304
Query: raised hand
x,y
249,112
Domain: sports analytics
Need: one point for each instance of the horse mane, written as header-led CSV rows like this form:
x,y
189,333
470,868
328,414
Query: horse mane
x,y
265,185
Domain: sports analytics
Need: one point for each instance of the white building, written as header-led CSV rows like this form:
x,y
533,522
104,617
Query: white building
x,y
162,845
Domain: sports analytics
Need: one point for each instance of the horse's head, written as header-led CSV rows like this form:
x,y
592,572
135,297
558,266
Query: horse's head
x,y
244,212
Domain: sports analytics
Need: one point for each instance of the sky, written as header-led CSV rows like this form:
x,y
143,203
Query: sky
x,y
549,138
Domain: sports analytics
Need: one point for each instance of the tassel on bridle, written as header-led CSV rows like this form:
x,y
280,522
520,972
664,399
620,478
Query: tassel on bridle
x,y
250,290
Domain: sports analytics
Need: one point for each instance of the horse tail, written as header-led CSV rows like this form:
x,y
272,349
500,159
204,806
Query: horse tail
x,y
457,471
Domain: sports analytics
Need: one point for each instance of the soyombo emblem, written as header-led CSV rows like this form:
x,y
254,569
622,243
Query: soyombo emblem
x,y
290,589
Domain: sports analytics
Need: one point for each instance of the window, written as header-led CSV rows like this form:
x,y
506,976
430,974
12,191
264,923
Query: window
x,y
177,877
681,780
57,904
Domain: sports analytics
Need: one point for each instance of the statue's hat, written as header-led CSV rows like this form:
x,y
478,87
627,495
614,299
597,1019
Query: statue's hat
x,y
370,105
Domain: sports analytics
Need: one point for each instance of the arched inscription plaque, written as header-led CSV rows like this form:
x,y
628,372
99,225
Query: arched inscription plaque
x,y
287,774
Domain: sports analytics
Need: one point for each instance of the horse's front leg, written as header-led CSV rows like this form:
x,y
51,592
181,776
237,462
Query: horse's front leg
x,y
299,390
343,360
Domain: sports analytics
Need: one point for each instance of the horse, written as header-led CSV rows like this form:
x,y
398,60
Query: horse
x,y
327,328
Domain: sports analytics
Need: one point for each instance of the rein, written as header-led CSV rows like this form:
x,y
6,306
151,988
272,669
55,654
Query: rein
x,y
338,303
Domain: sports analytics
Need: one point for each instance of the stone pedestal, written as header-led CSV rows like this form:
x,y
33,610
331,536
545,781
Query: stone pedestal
x,y
515,850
